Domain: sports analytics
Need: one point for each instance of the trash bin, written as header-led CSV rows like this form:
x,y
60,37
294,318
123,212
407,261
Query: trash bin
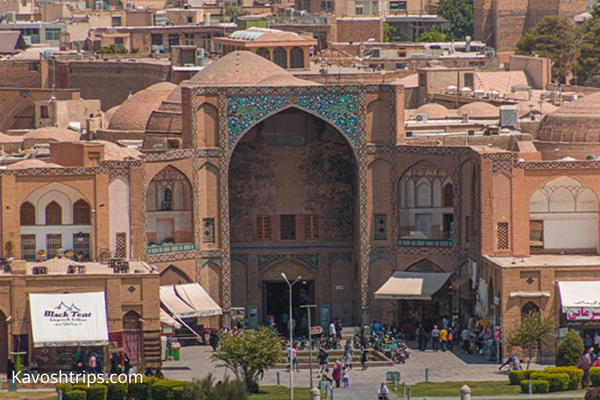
x,y
176,351
389,376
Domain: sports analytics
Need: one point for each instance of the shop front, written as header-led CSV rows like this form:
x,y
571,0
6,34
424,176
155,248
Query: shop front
x,y
580,308
68,329
425,298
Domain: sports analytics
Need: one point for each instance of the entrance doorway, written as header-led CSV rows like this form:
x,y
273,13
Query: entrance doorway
x,y
276,301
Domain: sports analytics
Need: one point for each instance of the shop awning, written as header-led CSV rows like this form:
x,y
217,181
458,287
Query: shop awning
x,y
530,294
195,295
461,281
580,300
174,304
68,319
412,285
166,319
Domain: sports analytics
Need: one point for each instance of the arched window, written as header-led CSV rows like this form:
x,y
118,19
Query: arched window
x,y
448,195
132,335
425,265
81,213
280,57
131,321
53,214
169,190
529,308
27,214
264,52
296,58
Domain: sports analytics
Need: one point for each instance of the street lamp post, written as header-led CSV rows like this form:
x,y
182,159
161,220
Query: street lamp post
x,y
308,307
291,334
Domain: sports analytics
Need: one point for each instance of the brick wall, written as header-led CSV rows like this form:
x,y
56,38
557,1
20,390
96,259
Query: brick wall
x,y
359,30
20,74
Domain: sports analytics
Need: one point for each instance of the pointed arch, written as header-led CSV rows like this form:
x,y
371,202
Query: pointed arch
x,y
280,57
239,281
81,212
27,214
296,57
132,335
208,118
173,275
53,214
425,265
529,307
210,278
378,122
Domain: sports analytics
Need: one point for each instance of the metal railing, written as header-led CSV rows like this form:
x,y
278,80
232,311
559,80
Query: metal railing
x,y
171,248
424,243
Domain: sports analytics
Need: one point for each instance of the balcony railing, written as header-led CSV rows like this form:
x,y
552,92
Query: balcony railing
x,y
424,243
170,248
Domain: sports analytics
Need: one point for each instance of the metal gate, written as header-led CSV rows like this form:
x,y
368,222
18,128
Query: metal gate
x,y
28,247
53,240
81,244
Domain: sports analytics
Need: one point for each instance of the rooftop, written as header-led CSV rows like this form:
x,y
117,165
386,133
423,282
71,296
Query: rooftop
x,y
547,260
59,266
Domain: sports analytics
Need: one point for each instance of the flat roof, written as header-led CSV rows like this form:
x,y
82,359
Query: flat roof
x,y
547,260
58,266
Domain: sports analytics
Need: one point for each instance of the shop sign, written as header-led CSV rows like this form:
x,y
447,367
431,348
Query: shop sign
x,y
316,330
497,332
579,313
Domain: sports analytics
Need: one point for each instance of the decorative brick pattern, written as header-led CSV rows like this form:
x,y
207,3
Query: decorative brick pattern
x,y
335,256
380,226
503,239
309,259
208,230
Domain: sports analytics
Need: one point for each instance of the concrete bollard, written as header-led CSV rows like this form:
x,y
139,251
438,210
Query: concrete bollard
x,y
465,393
403,389
529,387
426,374
332,393
408,394
315,394
395,383
278,379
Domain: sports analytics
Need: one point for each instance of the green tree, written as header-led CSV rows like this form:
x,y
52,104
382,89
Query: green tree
x,y
460,15
248,353
569,350
588,60
531,329
434,35
554,38
233,13
388,32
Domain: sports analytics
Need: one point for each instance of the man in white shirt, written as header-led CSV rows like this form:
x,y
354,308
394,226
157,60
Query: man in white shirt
x,y
332,332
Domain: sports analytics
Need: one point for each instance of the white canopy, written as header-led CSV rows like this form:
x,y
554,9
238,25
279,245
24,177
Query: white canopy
x,y
412,285
68,319
174,304
199,299
530,293
580,300
166,319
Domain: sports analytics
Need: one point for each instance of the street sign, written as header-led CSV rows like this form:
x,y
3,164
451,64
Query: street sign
x,y
497,333
316,330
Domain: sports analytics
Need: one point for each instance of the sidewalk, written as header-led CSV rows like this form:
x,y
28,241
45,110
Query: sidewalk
x,y
549,396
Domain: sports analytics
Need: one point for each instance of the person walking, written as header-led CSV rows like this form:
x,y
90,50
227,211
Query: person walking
x,y
348,354
126,364
363,358
214,340
596,343
435,338
345,376
337,374
421,338
466,338
294,355
444,338
323,355
332,329
338,329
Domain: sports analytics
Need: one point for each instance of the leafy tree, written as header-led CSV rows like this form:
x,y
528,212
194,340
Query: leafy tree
x,y
588,60
233,13
460,15
532,329
434,35
112,50
206,389
388,32
248,353
569,350
554,38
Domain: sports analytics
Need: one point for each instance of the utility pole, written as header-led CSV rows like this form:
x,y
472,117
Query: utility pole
x,y
308,307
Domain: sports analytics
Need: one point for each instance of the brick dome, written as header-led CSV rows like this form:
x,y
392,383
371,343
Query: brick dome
x,y
578,121
479,109
134,113
433,111
239,68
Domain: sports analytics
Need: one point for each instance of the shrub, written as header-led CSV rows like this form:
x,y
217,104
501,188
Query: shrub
x,y
207,389
74,395
575,375
178,393
168,389
593,393
515,377
569,350
558,382
527,373
595,376
116,391
65,387
140,390
96,392
536,386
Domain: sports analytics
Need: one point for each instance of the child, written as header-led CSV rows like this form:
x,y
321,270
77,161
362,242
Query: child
x,y
345,376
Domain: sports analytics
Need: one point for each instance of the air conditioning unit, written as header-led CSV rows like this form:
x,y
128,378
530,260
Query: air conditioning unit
x,y
421,117
11,16
166,205
408,133
377,52
471,132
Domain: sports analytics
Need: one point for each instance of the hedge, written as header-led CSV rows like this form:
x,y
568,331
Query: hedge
x,y
168,390
558,382
64,387
116,391
74,395
515,377
536,386
575,375
140,390
595,376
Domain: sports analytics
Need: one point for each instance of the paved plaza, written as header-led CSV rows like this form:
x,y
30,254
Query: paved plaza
x,y
443,367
